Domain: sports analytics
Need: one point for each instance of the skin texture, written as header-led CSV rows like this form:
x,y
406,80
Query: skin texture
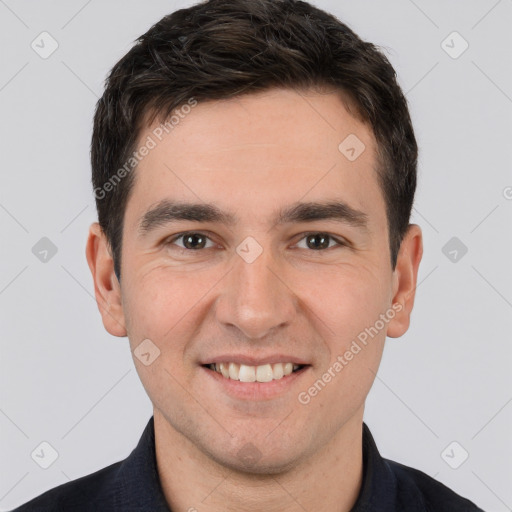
x,y
252,155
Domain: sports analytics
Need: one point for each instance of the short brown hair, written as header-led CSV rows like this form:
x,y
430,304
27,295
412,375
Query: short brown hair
x,y
223,48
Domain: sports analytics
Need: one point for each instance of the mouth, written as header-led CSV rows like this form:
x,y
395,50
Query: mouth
x,y
261,373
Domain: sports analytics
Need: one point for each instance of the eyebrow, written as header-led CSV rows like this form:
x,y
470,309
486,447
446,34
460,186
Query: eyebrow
x,y
167,211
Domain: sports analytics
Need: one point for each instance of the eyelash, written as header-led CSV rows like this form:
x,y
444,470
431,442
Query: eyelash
x,y
179,236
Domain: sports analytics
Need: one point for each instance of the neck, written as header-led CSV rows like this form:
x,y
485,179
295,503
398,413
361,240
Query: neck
x,y
328,480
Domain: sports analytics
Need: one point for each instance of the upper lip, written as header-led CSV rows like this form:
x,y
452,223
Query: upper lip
x,y
254,361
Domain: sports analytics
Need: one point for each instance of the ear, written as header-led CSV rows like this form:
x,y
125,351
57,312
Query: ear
x,y
106,286
404,280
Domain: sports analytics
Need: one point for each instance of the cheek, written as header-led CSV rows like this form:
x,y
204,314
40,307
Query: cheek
x,y
165,306
347,299
151,307
163,309
350,303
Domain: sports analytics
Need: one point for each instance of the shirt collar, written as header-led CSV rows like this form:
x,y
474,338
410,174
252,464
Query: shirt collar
x,y
379,486
138,476
139,481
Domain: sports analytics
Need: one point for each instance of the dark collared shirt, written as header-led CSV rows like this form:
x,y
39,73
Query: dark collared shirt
x,y
133,485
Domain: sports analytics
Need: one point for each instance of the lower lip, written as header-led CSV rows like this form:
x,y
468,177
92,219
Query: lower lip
x,y
256,390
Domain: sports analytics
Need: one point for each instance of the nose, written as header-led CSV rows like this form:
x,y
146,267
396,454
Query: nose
x,y
255,298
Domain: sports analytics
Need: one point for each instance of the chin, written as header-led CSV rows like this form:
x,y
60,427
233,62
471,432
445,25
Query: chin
x,y
260,463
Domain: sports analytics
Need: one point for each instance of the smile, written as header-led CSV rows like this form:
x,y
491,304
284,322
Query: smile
x,y
261,373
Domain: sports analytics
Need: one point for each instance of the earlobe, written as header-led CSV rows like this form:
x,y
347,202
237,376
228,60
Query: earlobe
x,y
106,285
405,278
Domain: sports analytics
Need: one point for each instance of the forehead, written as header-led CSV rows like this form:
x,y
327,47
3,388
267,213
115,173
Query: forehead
x,y
253,151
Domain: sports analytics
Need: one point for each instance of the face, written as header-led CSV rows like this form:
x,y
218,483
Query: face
x,y
252,237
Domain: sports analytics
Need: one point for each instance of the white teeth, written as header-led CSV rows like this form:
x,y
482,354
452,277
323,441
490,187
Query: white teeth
x,y
233,371
247,373
262,373
288,368
278,370
224,369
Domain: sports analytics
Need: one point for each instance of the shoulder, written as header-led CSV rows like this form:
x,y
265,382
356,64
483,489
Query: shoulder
x,y
77,495
413,484
130,485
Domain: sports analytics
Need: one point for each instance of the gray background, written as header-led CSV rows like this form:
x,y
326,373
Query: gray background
x,y
64,380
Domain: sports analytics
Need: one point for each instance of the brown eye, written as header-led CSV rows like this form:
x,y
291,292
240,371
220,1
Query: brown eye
x,y
191,241
320,241
194,241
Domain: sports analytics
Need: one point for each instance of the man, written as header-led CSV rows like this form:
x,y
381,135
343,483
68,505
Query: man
x,y
254,167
